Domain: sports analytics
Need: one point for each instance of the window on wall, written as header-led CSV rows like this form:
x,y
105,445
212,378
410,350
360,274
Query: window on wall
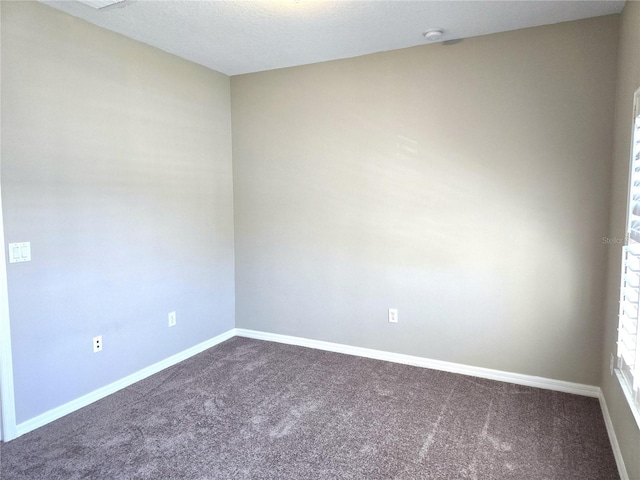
x,y
629,323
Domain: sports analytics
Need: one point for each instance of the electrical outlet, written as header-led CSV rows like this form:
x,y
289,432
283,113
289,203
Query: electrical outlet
x,y
393,315
97,344
172,319
612,363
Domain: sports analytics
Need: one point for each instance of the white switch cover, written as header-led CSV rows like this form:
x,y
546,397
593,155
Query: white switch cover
x,y
172,319
393,315
19,252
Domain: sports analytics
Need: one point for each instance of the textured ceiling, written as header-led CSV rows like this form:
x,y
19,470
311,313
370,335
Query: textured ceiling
x,y
235,37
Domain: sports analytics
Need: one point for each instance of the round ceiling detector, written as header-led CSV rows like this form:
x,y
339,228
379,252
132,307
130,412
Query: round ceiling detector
x,y
433,34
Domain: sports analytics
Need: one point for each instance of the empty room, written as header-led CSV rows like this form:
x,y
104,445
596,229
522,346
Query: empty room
x,y
320,239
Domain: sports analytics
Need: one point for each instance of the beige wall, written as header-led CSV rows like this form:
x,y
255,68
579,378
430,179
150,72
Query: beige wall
x,y
466,185
116,166
628,81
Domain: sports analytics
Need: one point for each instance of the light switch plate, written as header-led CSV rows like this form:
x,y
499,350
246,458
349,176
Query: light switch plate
x,y
19,252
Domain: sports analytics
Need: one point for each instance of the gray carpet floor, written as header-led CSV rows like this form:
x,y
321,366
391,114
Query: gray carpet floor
x,y
248,409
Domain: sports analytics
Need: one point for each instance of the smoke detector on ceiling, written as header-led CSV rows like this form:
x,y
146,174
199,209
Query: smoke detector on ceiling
x,y
105,4
433,34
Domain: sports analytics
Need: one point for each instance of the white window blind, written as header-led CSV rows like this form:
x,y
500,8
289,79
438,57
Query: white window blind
x,y
629,322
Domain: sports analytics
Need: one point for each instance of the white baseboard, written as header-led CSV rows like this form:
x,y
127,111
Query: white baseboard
x,y
528,380
615,446
517,378
102,392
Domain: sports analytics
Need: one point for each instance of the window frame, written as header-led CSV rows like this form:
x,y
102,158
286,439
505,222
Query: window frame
x,y
629,375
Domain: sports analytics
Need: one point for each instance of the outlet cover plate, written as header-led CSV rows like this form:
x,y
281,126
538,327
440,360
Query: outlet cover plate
x,y
97,344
